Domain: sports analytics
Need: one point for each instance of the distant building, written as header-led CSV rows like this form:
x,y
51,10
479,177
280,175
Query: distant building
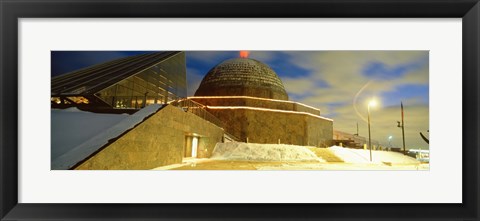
x,y
345,139
125,84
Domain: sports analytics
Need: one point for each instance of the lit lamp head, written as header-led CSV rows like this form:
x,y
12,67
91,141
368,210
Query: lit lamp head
x,y
390,137
372,103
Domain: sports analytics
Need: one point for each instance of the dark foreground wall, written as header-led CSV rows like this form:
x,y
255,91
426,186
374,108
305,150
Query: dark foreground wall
x,y
160,140
269,126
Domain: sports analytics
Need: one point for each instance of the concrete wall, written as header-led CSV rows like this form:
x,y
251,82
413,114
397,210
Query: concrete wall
x,y
320,132
235,90
160,140
270,126
256,102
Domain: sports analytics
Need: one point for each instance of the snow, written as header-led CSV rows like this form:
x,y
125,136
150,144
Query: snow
x,y
71,127
189,161
239,151
343,166
88,132
363,156
283,152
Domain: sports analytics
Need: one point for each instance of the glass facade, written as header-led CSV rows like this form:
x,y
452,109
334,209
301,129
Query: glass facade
x,y
158,84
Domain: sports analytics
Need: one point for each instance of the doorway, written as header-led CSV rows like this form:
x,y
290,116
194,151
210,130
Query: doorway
x,y
194,146
191,146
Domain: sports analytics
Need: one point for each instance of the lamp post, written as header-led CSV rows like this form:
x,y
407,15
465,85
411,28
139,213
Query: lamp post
x,y
403,129
390,142
371,103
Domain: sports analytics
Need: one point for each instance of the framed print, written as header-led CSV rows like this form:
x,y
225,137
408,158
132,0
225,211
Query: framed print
x,y
205,110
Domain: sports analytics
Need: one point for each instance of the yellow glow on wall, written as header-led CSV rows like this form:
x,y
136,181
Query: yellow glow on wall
x,y
265,109
253,98
56,100
79,100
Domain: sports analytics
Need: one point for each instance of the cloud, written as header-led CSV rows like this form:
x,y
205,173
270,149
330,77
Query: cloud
x,y
390,76
264,56
380,70
298,86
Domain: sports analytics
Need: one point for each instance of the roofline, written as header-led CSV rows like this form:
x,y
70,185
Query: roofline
x,y
255,98
173,53
267,109
169,56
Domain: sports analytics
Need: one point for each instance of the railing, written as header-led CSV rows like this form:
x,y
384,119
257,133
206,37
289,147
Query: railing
x,y
197,109
228,137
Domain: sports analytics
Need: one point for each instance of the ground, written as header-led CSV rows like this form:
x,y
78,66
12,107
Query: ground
x,y
247,156
208,164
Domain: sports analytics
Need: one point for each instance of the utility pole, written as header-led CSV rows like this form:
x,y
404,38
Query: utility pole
x,y
357,130
403,128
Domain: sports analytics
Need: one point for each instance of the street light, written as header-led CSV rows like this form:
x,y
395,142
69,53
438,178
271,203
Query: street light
x,y
372,103
390,141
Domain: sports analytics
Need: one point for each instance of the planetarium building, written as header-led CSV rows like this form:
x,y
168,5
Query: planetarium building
x,y
249,97
240,99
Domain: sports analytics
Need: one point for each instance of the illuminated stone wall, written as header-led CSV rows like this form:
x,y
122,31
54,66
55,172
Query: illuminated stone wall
x,y
160,140
270,126
243,91
255,102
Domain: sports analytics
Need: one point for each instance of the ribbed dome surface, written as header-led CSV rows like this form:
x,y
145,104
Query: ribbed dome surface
x,y
242,77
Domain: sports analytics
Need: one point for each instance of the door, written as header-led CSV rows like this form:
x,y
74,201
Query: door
x,y
194,146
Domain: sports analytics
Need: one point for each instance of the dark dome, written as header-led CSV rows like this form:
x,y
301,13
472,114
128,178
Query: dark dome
x,y
242,77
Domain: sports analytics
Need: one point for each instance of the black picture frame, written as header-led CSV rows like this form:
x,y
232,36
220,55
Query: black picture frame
x,y
11,11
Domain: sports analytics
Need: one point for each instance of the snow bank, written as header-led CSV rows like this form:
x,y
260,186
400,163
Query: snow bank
x,y
363,156
262,152
81,151
71,127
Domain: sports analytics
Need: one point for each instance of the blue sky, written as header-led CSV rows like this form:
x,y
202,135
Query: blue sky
x,y
339,83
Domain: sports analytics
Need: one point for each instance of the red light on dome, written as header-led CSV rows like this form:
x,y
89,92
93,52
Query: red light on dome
x,y
244,54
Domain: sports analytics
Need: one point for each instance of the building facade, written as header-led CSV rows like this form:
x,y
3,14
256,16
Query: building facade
x,y
128,83
345,139
251,100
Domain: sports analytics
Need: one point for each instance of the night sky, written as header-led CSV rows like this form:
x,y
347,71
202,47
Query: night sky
x,y
339,83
